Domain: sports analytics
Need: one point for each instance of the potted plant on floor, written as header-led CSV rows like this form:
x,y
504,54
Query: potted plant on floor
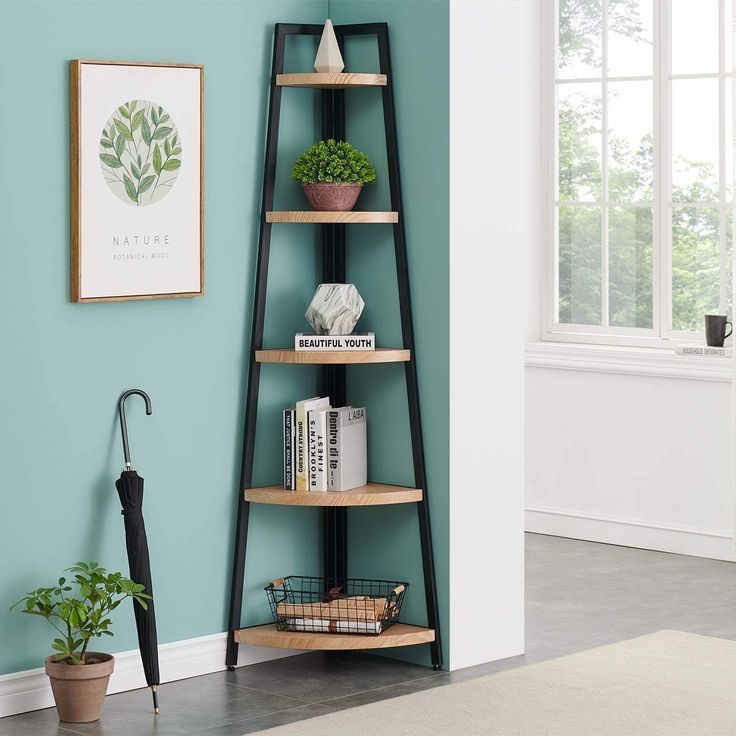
x,y
332,174
78,676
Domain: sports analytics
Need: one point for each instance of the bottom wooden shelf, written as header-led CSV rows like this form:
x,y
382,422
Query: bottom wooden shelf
x,y
399,635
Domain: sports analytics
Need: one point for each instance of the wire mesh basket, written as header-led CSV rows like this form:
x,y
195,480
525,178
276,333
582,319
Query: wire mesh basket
x,y
335,605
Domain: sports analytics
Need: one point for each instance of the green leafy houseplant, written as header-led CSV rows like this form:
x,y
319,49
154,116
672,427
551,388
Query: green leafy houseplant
x,y
333,162
84,617
332,174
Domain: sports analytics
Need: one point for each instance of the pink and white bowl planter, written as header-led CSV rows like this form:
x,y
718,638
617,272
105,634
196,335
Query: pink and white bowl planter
x,y
332,197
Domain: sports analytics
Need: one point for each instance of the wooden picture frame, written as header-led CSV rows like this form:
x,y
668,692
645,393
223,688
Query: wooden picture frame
x,y
137,180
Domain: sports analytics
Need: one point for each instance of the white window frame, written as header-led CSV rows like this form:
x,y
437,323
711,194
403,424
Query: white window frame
x,y
661,335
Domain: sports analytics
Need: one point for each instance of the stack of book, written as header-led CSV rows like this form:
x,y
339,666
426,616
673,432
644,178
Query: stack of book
x,y
324,448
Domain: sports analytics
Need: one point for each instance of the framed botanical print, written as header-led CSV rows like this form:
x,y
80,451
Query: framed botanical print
x,y
136,180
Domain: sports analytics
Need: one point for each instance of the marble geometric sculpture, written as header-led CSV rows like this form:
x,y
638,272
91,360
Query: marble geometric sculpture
x,y
334,309
329,58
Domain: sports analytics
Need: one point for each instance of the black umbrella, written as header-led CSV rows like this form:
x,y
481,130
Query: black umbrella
x,y
130,490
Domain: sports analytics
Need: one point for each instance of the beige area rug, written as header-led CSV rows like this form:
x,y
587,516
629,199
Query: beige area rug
x,y
665,684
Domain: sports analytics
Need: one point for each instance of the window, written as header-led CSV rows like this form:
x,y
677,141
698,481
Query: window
x,y
639,169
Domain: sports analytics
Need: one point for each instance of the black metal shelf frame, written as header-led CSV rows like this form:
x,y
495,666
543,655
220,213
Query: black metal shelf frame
x,y
333,380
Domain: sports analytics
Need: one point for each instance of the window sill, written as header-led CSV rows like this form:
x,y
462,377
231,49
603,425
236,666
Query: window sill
x,y
626,360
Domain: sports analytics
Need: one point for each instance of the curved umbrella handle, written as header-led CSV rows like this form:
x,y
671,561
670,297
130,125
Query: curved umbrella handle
x,y
123,425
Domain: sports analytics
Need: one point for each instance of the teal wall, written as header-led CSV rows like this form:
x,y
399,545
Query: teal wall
x,y
384,542
64,365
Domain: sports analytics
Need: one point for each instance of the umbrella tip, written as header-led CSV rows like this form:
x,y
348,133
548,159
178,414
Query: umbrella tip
x,y
155,699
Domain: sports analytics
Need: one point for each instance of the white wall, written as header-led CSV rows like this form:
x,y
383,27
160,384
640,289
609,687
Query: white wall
x,y
640,460
494,181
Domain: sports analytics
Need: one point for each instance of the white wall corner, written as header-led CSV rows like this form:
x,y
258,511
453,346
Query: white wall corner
x,y
30,690
494,190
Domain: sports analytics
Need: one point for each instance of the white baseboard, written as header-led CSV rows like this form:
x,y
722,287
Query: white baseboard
x,y
30,690
714,544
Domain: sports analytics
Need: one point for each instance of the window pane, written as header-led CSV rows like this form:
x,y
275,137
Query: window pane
x,y
729,33
695,266
630,38
729,262
579,40
579,120
580,265
730,142
630,147
694,36
695,140
630,267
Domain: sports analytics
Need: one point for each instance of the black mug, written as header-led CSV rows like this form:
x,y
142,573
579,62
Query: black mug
x,y
715,330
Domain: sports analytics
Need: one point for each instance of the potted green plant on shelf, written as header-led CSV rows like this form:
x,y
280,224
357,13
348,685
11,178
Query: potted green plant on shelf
x,y
332,174
79,676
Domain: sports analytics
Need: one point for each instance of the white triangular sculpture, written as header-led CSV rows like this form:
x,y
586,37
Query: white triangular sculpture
x,y
329,58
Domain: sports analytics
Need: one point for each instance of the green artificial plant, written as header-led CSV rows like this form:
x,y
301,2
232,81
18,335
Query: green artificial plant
x,y
79,619
333,162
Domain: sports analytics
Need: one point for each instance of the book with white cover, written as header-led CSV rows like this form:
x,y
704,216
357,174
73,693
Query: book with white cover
x,y
347,455
317,478
302,439
325,343
704,350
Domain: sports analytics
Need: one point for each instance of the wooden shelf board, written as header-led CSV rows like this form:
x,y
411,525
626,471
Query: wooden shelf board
x,y
331,80
373,494
337,357
399,635
323,216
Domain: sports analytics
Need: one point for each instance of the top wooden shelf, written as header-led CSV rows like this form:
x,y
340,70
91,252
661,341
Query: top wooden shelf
x,y
331,80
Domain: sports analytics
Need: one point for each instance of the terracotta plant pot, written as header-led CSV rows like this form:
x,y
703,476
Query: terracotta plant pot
x,y
332,197
79,689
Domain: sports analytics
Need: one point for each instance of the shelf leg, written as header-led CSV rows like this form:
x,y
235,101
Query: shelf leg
x,y
259,310
334,376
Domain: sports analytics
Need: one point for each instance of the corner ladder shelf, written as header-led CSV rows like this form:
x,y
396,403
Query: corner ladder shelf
x,y
333,381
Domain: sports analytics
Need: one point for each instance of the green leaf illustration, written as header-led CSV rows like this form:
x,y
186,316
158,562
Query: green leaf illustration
x,y
136,121
157,159
145,184
161,133
145,131
130,188
124,130
110,161
155,149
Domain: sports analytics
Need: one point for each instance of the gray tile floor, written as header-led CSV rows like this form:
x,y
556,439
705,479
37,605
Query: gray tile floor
x,y
579,595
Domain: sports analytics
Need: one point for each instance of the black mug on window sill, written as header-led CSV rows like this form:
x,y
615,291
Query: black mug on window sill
x,y
715,329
